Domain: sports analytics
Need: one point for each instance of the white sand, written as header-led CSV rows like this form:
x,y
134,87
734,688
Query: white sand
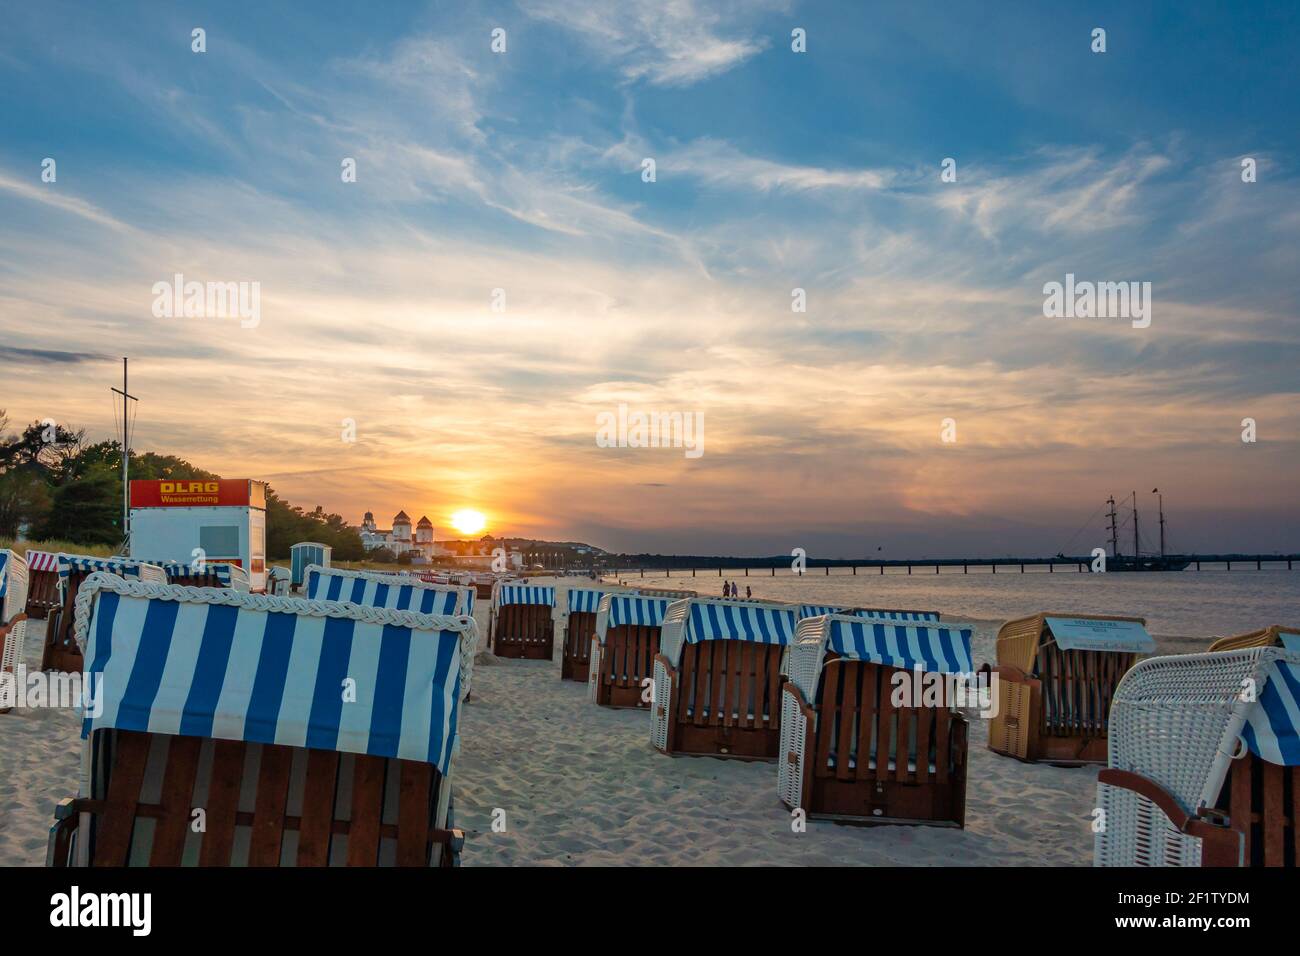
x,y
581,784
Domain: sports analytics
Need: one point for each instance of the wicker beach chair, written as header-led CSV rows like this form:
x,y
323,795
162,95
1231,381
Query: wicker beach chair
x,y
278,581
13,623
42,584
246,729
209,574
624,645
1274,636
1204,765
848,752
718,676
521,623
402,592
1058,673
61,652
578,624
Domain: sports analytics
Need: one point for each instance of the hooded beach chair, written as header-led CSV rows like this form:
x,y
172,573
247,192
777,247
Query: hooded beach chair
x,y
1275,636
625,643
718,676
1058,673
850,751
13,622
61,652
1204,765
579,625
245,729
209,574
42,584
521,621
278,581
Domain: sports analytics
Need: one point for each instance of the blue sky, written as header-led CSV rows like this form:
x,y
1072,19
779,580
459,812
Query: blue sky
x,y
775,170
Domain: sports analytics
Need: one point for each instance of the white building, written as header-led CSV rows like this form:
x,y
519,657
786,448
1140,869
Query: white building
x,y
398,539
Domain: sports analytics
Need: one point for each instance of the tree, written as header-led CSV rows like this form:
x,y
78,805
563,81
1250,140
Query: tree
x,y
87,510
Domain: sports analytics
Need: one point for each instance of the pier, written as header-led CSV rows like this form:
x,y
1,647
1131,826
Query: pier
x,y
745,567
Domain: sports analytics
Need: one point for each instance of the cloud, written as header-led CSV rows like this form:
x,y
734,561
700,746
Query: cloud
x,y
678,43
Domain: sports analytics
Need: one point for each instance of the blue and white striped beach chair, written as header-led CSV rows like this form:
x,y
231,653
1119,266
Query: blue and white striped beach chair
x,y
522,621
625,644
578,618
400,592
298,732
1204,762
856,753
718,676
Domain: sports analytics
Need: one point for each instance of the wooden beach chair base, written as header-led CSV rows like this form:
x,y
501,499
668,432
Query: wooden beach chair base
x,y
1255,821
258,804
576,659
725,701
524,632
836,776
42,594
625,663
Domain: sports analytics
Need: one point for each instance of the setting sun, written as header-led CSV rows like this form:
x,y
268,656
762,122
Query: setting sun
x,y
468,521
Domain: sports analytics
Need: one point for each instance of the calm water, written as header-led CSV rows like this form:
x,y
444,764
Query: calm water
x,y
1188,604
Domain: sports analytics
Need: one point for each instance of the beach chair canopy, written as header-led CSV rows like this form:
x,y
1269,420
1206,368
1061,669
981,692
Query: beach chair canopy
x,y
819,610
587,600
398,592
42,560
219,663
617,610
124,567
911,645
13,584
694,620
878,613
1100,634
524,594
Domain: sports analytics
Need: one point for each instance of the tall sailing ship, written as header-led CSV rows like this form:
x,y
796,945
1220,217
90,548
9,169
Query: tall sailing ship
x,y
1138,561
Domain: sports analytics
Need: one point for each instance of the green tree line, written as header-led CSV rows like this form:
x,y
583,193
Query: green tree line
x,y
55,485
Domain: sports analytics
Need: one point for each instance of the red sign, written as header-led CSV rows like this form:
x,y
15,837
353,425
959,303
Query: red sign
x,y
233,492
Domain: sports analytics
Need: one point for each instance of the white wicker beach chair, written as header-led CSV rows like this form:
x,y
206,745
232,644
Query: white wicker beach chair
x,y
1203,751
306,733
849,753
13,622
718,676
521,622
278,581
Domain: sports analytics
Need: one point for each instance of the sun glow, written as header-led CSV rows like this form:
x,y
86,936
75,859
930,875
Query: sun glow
x,y
468,521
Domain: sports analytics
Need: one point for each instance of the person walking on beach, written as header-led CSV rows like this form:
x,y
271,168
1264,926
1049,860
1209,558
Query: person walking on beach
x,y
748,592
726,589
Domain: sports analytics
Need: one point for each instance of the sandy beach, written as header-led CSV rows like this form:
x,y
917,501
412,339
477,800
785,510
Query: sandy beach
x,y
580,784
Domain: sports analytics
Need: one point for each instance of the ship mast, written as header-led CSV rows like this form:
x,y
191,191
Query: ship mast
x,y
1161,499
1114,531
1137,551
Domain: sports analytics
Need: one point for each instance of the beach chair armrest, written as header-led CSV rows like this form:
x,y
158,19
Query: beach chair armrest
x,y
1220,845
66,817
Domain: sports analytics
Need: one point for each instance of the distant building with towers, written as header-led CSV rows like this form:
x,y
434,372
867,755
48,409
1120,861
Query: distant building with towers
x,y
399,539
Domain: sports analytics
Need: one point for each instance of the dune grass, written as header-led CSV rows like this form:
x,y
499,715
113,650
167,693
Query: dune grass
x,y
70,547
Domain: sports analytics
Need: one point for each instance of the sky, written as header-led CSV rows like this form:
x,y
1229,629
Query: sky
x,y
447,330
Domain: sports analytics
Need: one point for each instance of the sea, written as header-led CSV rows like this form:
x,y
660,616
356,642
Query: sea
x,y
1191,605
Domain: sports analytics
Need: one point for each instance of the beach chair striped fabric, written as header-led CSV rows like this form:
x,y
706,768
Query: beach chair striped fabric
x,y
42,583
398,591
61,652
521,624
13,623
581,606
886,614
1058,674
1204,763
849,752
308,732
718,676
